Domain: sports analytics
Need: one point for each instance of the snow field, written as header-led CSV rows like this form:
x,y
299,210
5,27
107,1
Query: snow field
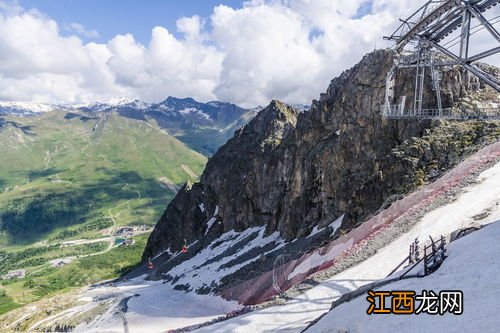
x,y
296,314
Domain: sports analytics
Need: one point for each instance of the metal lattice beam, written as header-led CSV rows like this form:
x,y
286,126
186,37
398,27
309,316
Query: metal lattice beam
x,y
426,29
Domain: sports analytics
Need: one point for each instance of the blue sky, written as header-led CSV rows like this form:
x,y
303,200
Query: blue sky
x,y
365,8
110,18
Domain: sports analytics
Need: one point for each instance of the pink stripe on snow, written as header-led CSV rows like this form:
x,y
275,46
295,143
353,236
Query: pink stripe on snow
x,y
260,289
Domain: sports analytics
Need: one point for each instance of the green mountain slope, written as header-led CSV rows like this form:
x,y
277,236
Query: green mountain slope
x,y
68,181
68,175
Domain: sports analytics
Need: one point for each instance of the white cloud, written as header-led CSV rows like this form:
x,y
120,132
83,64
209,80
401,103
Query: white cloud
x,y
81,30
11,7
285,49
192,28
267,52
37,63
291,49
167,66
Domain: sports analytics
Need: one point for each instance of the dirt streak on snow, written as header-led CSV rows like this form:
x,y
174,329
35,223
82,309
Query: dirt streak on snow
x,y
159,308
261,288
297,313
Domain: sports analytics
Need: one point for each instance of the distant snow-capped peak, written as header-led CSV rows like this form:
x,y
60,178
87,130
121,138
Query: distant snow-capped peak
x,y
110,103
185,107
194,111
26,107
32,108
300,107
119,100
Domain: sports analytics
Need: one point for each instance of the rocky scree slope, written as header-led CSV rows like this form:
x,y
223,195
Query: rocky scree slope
x,y
291,172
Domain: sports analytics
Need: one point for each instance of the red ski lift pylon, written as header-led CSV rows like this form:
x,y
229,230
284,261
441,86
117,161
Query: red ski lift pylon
x,y
184,247
150,264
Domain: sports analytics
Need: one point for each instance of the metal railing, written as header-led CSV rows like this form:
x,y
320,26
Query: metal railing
x,y
434,255
397,112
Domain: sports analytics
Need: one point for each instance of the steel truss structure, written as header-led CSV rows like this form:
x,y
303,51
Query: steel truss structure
x,y
426,30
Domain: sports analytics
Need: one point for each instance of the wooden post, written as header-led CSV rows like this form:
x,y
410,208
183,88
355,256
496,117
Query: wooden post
x,y
410,255
425,260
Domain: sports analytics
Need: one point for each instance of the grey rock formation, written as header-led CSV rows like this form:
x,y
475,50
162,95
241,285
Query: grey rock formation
x,y
292,171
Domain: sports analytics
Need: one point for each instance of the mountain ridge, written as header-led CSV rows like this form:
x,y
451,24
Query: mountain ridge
x,y
293,172
202,126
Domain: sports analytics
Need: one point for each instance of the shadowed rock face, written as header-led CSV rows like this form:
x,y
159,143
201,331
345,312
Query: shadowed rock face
x,y
292,171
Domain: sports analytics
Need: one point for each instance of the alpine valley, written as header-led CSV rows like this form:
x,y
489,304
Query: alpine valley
x,y
81,186
298,213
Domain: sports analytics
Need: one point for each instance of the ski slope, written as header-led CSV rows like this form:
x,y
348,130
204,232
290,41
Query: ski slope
x,y
472,266
140,306
476,199
149,306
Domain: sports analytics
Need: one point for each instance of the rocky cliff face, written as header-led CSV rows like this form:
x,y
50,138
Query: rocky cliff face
x,y
291,172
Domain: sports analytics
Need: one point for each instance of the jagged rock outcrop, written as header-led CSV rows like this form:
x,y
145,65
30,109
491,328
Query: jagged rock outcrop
x,y
291,172
226,178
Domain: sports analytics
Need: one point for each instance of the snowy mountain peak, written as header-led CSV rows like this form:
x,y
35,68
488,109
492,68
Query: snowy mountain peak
x,y
300,107
109,104
119,100
33,108
24,108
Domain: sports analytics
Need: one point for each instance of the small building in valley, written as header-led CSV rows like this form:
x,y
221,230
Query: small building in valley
x,y
60,262
124,230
